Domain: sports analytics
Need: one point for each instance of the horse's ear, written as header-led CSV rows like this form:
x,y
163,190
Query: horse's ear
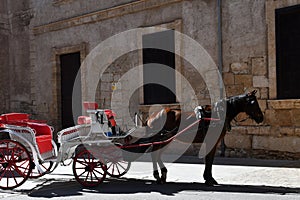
x,y
252,93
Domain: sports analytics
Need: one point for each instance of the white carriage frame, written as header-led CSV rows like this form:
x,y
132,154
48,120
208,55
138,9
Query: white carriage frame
x,y
69,139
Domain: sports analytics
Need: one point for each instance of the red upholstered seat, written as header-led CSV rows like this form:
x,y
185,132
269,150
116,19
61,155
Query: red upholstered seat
x,y
90,105
14,117
44,143
84,120
43,136
40,129
43,132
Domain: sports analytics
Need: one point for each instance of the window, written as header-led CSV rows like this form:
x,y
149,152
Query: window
x,y
158,52
287,29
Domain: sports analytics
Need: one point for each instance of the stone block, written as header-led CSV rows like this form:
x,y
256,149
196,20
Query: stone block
x,y
287,131
281,104
296,116
262,104
264,93
296,103
240,68
288,144
232,90
105,86
259,66
278,117
275,131
239,129
253,130
228,78
260,81
235,140
245,80
107,77
264,130
297,131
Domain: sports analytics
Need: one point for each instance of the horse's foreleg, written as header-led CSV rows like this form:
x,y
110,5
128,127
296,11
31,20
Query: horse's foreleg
x,y
154,156
223,148
209,159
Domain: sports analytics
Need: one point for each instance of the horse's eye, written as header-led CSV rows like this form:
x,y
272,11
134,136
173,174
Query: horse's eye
x,y
252,102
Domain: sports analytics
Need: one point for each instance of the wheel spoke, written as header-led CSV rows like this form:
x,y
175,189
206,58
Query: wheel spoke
x,y
82,162
3,173
87,176
99,172
118,164
81,173
14,177
96,177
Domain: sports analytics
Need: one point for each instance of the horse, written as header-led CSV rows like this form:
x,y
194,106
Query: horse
x,y
169,124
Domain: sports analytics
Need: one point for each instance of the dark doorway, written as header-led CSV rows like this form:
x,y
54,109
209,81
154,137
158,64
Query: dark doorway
x,y
159,82
70,65
288,52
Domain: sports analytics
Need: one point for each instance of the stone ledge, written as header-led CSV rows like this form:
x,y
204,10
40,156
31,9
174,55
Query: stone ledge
x,y
93,17
284,104
288,144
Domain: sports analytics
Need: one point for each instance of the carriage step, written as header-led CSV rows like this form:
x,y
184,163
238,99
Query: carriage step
x,y
51,159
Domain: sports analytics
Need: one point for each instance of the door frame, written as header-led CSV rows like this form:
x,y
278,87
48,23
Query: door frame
x,y
56,77
271,6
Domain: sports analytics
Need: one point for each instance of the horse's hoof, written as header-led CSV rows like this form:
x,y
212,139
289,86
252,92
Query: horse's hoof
x,y
163,177
163,180
211,182
159,181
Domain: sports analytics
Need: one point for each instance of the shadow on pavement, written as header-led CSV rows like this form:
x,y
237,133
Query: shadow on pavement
x,y
242,162
132,186
226,161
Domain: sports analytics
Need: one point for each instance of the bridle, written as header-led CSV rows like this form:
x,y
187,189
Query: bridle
x,y
246,118
239,121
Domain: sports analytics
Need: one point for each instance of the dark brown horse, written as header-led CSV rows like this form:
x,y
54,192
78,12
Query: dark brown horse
x,y
208,123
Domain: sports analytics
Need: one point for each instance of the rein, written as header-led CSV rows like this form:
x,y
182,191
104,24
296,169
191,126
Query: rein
x,y
169,139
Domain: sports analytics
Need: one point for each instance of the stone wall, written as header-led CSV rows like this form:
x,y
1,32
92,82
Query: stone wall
x,y
14,56
251,67
4,56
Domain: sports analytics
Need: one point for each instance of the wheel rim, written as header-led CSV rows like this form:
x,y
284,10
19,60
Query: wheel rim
x,y
14,164
88,170
46,166
116,165
117,169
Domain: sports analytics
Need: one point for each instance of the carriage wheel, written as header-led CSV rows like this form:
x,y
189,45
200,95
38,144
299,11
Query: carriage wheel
x,y
88,170
117,168
116,165
14,164
46,166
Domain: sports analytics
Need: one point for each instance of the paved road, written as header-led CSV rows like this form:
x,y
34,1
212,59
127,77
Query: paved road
x,y
238,178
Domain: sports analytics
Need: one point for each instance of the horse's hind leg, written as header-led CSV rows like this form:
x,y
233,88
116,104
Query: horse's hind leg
x,y
163,169
154,156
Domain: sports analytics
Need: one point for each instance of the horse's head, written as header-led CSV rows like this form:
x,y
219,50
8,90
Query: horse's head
x,y
251,107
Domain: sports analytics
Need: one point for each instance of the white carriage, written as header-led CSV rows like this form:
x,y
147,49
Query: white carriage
x,y
28,150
